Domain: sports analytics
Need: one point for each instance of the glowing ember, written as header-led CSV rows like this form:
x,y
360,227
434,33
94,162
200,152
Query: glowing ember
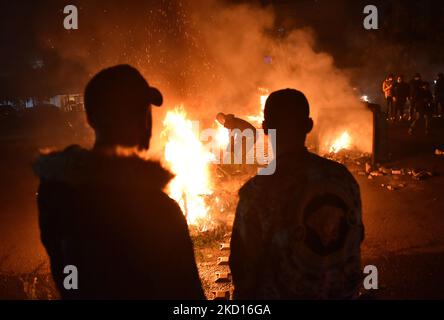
x,y
188,159
343,142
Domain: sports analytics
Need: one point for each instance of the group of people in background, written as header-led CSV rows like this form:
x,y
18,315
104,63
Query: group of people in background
x,y
423,100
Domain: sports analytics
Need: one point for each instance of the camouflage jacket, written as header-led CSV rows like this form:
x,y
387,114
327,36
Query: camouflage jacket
x,y
297,233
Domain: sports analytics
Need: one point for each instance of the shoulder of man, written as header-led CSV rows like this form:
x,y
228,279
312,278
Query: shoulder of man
x,y
336,173
335,166
252,186
251,199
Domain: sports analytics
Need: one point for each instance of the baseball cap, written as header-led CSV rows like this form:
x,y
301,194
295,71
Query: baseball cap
x,y
118,91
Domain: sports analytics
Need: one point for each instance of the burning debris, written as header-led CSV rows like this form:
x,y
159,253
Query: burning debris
x,y
206,190
343,142
198,173
187,158
349,157
202,186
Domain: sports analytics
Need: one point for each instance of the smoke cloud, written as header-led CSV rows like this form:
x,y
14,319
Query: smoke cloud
x,y
214,56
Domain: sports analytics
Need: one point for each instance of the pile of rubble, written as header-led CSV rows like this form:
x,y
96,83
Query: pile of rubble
x,y
396,174
395,177
349,157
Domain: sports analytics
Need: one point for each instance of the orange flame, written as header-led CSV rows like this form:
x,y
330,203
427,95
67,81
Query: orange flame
x,y
262,99
343,142
188,159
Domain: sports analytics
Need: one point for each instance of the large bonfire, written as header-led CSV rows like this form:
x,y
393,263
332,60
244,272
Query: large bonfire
x,y
189,160
192,161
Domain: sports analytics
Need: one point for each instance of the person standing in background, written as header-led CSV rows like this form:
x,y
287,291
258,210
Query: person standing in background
x,y
387,88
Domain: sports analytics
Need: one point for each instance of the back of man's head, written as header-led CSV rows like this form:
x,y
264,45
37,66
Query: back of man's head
x,y
117,101
288,112
285,109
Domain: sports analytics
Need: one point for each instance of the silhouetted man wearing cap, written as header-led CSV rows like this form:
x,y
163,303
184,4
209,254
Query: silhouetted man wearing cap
x,y
297,233
106,213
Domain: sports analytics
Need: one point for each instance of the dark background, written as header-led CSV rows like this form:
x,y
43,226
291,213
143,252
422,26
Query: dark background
x,y
34,44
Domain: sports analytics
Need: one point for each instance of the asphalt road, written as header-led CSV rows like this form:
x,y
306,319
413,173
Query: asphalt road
x,y
404,228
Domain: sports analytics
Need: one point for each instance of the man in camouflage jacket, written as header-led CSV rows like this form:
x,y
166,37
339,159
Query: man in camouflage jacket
x,y
297,233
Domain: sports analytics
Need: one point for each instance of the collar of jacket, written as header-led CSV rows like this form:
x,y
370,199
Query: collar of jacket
x,y
77,166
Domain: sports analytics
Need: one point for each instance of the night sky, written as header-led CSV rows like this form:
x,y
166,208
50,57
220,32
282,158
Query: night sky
x,y
35,46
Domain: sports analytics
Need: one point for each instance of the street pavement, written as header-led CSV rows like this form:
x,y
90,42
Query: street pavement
x,y
404,228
